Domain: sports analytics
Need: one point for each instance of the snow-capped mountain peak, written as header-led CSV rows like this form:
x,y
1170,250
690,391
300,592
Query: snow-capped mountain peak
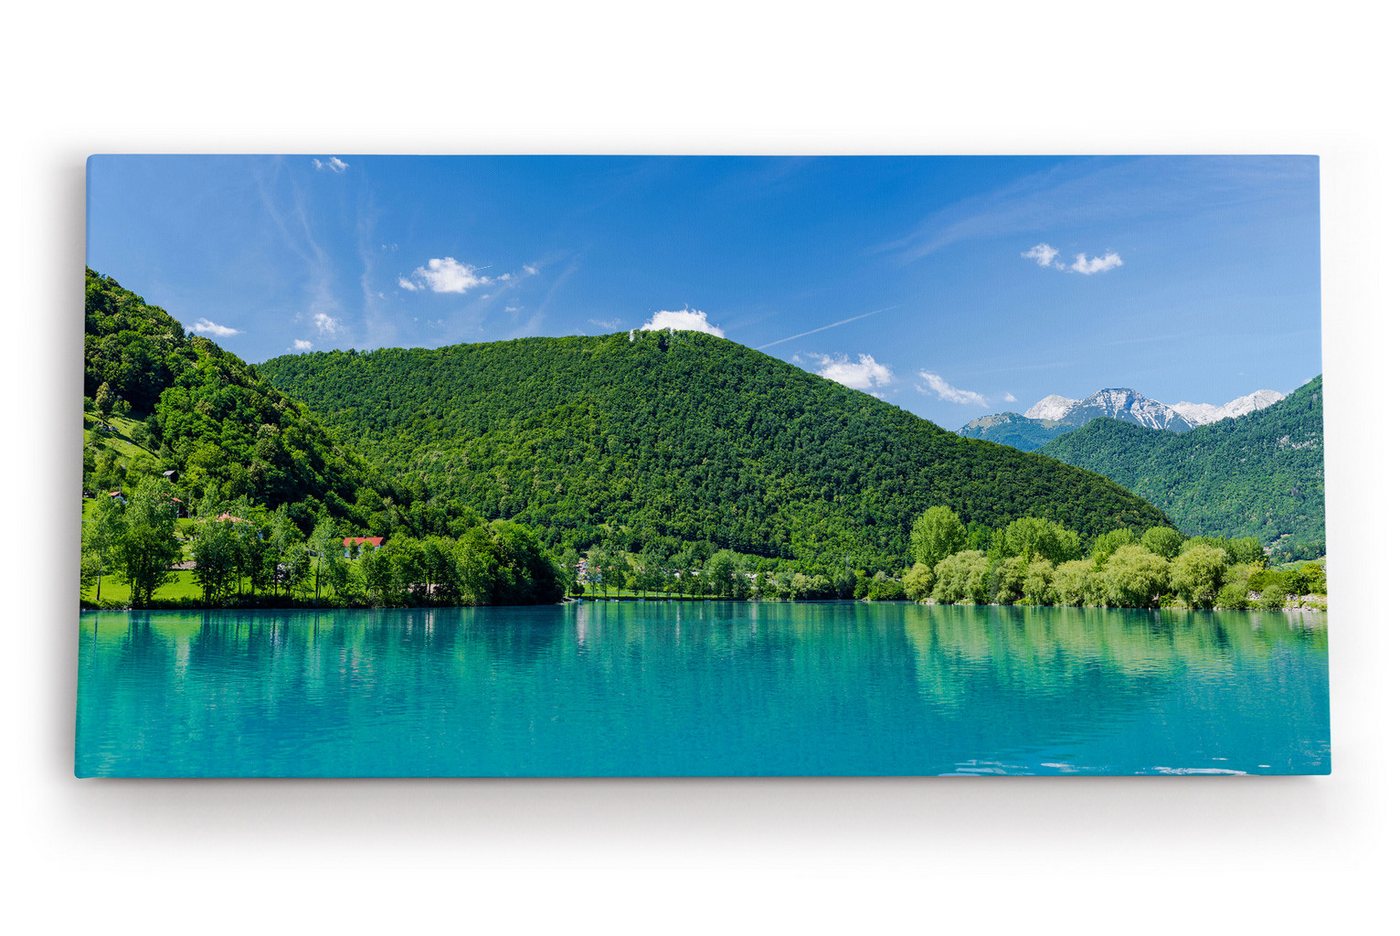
x,y
1052,407
1127,405
1200,414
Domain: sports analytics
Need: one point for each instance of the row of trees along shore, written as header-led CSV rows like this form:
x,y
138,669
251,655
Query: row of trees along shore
x,y
1038,562
1030,561
242,554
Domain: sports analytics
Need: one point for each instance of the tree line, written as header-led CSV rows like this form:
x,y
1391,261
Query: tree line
x,y
1036,561
244,554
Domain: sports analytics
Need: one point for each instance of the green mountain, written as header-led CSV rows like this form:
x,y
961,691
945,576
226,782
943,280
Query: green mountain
x,y
1257,475
666,438
160,399
1015,430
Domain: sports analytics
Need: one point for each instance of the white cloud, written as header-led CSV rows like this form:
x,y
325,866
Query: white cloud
x,y
325,324
932,383
1008,397
206,327
684,320
1045,256
861,374
1090,266
612,324
334,164
1042,254
301,344
444,275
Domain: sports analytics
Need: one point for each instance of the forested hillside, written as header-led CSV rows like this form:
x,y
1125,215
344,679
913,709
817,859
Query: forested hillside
x,y
660,438
160,399
1258,475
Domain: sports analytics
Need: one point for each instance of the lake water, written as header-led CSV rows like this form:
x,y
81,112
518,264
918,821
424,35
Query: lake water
x,y
668,688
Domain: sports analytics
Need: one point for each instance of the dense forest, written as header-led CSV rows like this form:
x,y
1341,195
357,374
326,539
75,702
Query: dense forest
x,y
1258,475
197,471
664,439
157,399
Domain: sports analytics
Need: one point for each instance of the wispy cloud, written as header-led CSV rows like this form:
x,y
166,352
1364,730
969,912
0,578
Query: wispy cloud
x,y
683,320
333,164
288,210
206,327
301,344
325,324
1110,190
932,383
1008,397
864,373
822,328
612,324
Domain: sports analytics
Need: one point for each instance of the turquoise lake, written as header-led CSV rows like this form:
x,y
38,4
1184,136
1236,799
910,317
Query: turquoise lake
x,y
712,688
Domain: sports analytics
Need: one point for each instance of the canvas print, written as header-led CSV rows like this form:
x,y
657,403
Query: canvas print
x,y
667,466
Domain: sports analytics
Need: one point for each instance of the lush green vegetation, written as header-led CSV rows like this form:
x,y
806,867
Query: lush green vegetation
x,y
174,425
158,399
1030,561
251,556
1259,475
658,439
1034,561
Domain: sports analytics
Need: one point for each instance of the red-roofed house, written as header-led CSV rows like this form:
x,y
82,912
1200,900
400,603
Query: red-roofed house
x,y
354,545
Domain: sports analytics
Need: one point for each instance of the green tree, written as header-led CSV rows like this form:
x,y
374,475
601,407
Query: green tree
x,y
526,573
937,534
1233,597
918,581
215,553
1162,540
377,568
1076,583
148,547
102,532
723,573
1039,584
1135,577
1036,537
476,566
104,401
961,577
442,571
326,550
1245,549
1108,543
1198,574
1008,580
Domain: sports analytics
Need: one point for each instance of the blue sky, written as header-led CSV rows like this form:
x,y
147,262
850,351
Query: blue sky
x,y
950,286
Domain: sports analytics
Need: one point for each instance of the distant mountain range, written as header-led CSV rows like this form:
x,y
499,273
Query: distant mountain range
x,y
1257,474
1056,415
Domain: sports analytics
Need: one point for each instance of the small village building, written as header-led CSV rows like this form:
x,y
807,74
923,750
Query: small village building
x,y
356,545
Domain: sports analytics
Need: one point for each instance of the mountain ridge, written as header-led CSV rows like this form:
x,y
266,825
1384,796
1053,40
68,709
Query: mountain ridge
x,y
1259,474
679,437
1055,415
